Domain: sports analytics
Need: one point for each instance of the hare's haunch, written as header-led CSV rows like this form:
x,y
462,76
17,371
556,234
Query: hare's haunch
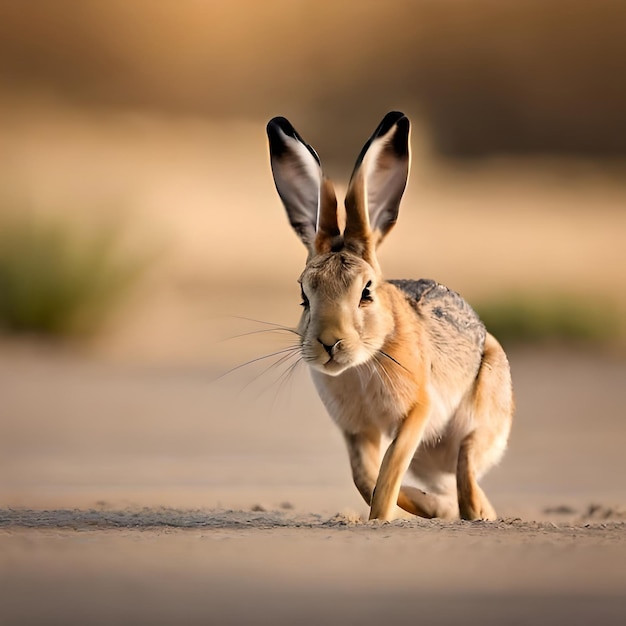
x,y
406,360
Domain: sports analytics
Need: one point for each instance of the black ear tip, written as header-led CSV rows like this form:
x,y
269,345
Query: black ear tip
x,y
403,127
403,124
393,117
400,138
277,124
282,123
279,127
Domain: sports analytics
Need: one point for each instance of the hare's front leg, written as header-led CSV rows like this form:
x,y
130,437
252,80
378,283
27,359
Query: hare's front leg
x,y
397,460
364,451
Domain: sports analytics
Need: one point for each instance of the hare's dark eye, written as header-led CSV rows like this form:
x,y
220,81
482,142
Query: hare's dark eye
x,y
305,300
366,295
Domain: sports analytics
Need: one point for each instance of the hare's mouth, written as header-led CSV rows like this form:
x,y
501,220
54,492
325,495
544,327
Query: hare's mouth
x,y
331,367
336,360
334,367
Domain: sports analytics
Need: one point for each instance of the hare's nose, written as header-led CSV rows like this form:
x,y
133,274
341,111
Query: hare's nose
x,y
329,348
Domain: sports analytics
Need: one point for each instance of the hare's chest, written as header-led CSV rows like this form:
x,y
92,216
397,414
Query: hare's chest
x,y
358,400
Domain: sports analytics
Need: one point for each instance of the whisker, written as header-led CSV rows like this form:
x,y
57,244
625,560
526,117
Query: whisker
x,y
283,329
282,379
280,365
374,370
285,378
251,319
392,359
378,351
291,349
283,359
359,370
392,380
378,366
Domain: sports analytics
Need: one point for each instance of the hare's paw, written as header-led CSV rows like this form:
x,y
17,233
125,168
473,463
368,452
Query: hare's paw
x,y
382,509
477,508
427,505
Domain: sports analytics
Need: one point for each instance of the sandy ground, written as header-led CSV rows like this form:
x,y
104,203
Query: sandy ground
x,y
136,486
159,495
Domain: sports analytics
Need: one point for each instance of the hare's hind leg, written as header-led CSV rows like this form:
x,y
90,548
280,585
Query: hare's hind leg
x,y
473,503
491,406
364,453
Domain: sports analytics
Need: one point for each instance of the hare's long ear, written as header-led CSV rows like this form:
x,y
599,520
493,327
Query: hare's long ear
x,y
307,196
377,183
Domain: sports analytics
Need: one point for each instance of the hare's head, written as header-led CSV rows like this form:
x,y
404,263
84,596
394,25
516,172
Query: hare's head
x,y
346,316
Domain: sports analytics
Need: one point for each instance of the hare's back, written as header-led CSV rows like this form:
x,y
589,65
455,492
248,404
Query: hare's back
x,y
455,332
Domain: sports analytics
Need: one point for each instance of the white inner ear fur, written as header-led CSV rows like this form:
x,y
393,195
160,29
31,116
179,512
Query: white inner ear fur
x,y
298,178
384,179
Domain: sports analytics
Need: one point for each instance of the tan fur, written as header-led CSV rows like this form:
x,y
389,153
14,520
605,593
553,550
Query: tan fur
x,y
407,363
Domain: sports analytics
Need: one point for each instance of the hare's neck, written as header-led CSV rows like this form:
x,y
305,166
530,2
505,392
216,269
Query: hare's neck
x,y
374,394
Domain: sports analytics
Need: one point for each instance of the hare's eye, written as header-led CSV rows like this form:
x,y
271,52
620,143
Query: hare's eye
x,y
366,295
305,300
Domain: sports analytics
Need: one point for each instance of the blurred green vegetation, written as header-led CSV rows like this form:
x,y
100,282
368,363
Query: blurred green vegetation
x,y
555,318
58,280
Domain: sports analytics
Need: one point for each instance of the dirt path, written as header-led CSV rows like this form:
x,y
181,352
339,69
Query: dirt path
x,y
211,567
134,494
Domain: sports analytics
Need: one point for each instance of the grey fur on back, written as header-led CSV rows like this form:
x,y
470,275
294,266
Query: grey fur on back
x,y
453,326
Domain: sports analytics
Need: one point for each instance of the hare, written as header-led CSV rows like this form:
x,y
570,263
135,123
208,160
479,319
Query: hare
x,y
405,361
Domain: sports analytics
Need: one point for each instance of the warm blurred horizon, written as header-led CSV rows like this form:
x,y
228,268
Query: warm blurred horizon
x,y
151,115
487,77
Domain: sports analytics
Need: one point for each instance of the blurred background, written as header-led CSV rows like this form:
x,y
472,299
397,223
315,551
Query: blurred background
x,y
139,221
